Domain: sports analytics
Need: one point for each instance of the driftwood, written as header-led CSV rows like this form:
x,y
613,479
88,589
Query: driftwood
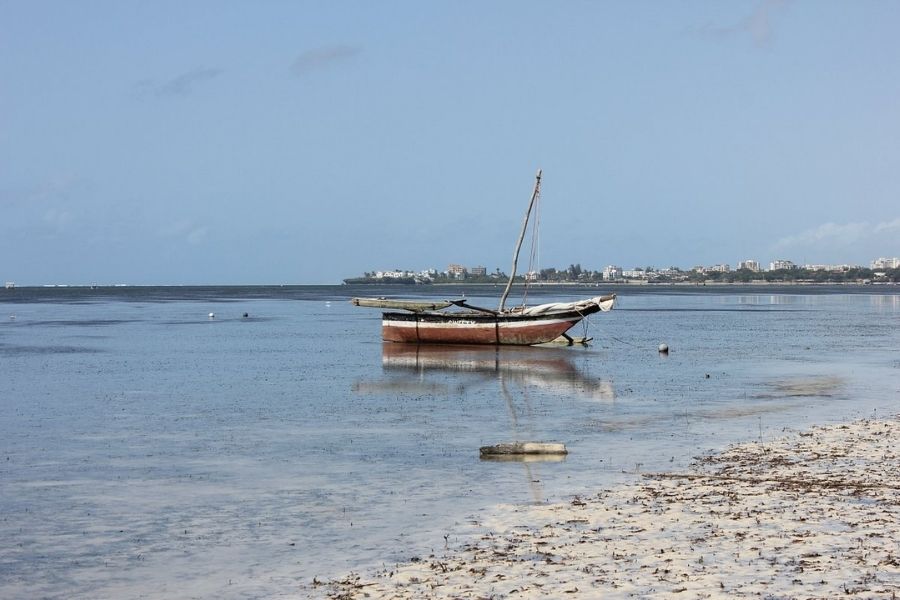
x,y
516,448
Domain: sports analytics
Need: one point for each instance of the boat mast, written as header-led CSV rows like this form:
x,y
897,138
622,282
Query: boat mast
x,y
534,197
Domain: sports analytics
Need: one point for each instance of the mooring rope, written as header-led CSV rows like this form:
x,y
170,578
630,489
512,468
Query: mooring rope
x,y
624,341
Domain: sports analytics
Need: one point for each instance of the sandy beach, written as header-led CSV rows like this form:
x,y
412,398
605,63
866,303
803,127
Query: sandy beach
x,y
811,515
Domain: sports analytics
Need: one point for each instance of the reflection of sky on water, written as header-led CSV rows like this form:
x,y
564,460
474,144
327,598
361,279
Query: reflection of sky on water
x,y
771,300
149,450
887,304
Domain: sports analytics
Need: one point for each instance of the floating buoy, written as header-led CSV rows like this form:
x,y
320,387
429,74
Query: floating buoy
x,y
212,315
663,348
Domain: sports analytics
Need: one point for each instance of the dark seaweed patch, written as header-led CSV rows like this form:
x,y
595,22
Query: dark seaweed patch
x,y
10,350
76,323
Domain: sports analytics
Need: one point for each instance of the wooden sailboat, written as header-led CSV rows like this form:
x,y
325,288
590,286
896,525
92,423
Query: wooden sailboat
x,y
429,322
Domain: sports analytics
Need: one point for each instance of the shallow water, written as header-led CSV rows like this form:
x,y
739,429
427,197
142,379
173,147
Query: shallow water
x,y
150,451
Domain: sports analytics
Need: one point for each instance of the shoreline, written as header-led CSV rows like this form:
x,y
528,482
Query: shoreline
x,y
667,284
811,514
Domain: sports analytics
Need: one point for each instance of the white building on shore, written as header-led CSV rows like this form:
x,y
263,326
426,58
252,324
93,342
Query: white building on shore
x,y
886,263
829,268
395,274
612,273
781,265
636,273
456,271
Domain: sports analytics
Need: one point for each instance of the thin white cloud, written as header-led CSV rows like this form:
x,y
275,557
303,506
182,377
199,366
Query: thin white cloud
x,y
185,83
57,188
181,85
829,236
197,235
53,205
759,24
58,219
844,234
176,228
320,58
888,226
186,230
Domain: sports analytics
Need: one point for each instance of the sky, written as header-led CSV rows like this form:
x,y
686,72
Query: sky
x,y
225,142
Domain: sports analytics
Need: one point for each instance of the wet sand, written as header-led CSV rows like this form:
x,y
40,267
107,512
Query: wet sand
x,y
815,514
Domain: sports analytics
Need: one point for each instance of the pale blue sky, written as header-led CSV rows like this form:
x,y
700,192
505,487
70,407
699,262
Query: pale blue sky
x,y
303,142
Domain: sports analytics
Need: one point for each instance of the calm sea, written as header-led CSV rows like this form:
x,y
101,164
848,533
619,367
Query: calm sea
x,y
148,450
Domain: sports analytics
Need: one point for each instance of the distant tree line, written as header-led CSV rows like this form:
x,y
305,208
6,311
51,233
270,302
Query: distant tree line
x,y
574,273
852,275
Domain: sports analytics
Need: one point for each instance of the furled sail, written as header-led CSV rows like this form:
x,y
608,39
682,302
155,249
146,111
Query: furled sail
x,y
605,303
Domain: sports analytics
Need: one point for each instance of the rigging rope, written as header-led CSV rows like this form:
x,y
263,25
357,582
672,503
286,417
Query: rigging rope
x,y
534,254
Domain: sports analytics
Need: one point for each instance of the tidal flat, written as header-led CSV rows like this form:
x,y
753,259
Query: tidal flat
x,y
149,451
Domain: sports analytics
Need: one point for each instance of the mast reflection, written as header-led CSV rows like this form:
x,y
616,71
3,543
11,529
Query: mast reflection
x,y
430,369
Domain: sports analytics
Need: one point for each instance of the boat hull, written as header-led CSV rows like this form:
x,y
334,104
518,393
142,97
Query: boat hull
x,y
478,328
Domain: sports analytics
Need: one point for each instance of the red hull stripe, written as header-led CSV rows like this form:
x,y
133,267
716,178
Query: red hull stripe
x,y
523,333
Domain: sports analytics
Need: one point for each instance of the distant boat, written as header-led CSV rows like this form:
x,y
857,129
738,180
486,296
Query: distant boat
x,y
10,285
428,322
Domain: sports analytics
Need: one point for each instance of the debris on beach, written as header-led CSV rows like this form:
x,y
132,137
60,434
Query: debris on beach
x,y
809,515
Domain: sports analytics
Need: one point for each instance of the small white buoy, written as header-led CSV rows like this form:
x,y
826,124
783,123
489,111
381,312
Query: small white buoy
x,y
212,315
12,317
663,348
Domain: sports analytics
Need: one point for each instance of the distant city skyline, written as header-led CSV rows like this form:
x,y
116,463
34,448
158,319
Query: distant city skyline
x,y
776,264
253,143
481,270
614,272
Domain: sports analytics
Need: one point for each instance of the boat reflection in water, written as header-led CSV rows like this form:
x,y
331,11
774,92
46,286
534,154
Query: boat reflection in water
x,y
448,369
546,368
